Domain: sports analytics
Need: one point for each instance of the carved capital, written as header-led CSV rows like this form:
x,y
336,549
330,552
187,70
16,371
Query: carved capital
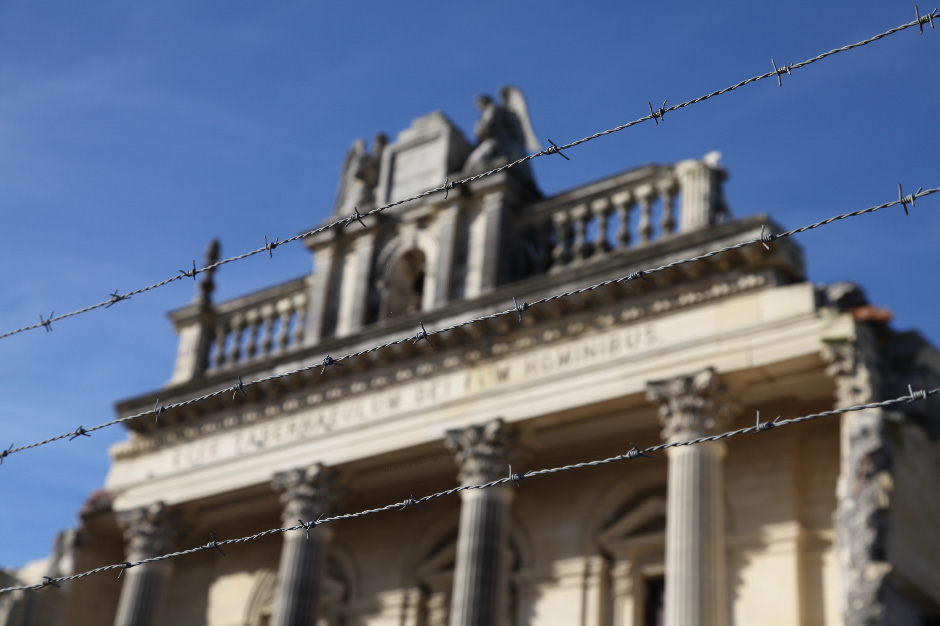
x,y
853,367
690,406
149,531
483,452
307,493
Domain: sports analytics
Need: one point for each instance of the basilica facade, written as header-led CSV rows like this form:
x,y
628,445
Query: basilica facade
x,y
827,522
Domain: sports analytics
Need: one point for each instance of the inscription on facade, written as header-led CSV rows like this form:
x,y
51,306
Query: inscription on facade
x,y
406,397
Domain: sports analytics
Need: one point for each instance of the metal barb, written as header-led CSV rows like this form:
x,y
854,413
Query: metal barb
x,y
658,115
5,453
115,298
355,217
520,309
271,246
239,386
422,336
190,273
49,582
447,186
214,544
635,452
516,478
79,432
908,198
634,275
915,395
125,566
778,72
158,409
410,502
308,525
923,19
554,149
765,425
765,239
328,361
47,322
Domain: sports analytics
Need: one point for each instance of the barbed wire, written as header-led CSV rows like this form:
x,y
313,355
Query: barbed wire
x,y
424,335
514,478
655,115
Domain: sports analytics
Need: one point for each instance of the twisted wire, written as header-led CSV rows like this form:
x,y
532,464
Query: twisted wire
x,y
424,334
448,184
634,453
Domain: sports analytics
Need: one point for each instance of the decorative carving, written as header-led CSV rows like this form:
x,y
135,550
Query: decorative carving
x,y
853,367
207,280
484,451
503,130
360,175
307,493
690,406
148,531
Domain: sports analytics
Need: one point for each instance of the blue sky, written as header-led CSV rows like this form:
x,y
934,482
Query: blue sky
x,y
132,133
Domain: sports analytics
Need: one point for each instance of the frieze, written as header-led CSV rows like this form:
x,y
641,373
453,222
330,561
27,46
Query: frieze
x,y
387,394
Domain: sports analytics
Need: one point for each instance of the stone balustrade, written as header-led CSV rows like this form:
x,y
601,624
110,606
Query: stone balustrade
x,y
626,211
252,328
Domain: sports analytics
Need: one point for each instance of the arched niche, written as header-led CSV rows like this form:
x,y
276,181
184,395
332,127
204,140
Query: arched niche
x,y
337,592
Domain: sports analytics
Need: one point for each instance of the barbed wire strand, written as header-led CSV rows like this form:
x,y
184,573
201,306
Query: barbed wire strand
x,y
631,454
423,334
448,184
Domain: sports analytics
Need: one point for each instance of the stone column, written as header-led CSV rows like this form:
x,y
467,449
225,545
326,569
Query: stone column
x,y
447,234
320,294
485,243
691,407
148,533
357,283
483,453
306,494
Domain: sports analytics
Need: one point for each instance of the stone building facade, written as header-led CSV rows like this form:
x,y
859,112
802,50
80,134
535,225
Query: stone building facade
x,y
824,523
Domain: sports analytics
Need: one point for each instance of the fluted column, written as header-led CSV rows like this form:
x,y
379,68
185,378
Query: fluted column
x,y
306,494
691,407
483,453
148,533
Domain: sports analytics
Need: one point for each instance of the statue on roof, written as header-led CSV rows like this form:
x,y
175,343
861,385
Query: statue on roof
x,y
360,175
504,130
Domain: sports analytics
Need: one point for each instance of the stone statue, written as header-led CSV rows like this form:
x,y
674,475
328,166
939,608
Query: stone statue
x,y
360,175
503,130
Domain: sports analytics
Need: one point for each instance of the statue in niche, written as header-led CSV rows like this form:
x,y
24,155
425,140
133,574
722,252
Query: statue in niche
x,y
360,175
504,130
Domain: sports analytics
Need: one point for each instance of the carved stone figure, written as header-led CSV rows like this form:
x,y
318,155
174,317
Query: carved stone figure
x,y
360,175
503,130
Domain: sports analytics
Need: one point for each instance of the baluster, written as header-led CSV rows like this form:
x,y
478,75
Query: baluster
x,y
601,209
645,196
267,319
251,347
300,305
561,254
580,248
624,203
221,334
667,191
235,350
283,332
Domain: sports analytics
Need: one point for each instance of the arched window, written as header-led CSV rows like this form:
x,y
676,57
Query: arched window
x,y
404,285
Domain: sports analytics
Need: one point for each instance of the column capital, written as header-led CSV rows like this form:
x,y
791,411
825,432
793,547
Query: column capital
x,y
483,451
306,493
853,365
691,405
148,531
